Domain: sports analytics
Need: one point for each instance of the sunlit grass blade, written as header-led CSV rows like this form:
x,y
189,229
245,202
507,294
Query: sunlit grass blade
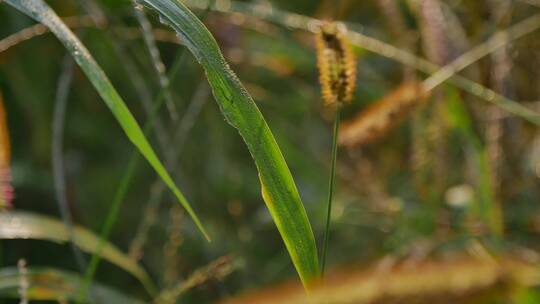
x,y
23,225
39,11
278,187
49,284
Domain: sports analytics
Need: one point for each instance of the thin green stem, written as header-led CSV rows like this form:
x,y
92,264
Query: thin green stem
x,y
331,188
109,222
113,212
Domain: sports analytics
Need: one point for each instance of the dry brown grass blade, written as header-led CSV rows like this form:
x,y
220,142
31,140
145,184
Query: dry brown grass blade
x,y
77,22
381,116
532,2
450,280
40,29
495,42
217,270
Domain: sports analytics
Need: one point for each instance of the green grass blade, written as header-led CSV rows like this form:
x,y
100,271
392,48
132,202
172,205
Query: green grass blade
x,y
42,13
50,284
278,187
24,225
489,208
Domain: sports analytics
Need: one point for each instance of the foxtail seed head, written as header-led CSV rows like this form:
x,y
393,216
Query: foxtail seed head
x,y
336,62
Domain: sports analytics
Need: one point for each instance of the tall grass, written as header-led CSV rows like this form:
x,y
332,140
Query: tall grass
x,y
277,186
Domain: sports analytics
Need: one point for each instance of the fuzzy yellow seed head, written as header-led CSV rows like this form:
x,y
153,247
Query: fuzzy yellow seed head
x,y
336,63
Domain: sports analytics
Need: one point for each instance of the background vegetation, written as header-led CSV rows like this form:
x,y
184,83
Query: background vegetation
x,y
436,202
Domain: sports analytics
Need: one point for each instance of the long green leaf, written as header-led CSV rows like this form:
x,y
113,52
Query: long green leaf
x,y
24,225
49,284
278,187
41,12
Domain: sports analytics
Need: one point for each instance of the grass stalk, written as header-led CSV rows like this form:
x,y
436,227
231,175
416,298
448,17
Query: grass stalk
x,y
159,66
107,227
331,185
65,82
57,155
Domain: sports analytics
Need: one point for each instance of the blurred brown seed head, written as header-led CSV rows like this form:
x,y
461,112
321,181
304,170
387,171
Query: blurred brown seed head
x,y
5,152
6,191
383,115
336,63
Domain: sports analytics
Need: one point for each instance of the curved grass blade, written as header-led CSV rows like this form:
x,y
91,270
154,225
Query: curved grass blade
x,y
278,188
24,225
49,284
41,12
